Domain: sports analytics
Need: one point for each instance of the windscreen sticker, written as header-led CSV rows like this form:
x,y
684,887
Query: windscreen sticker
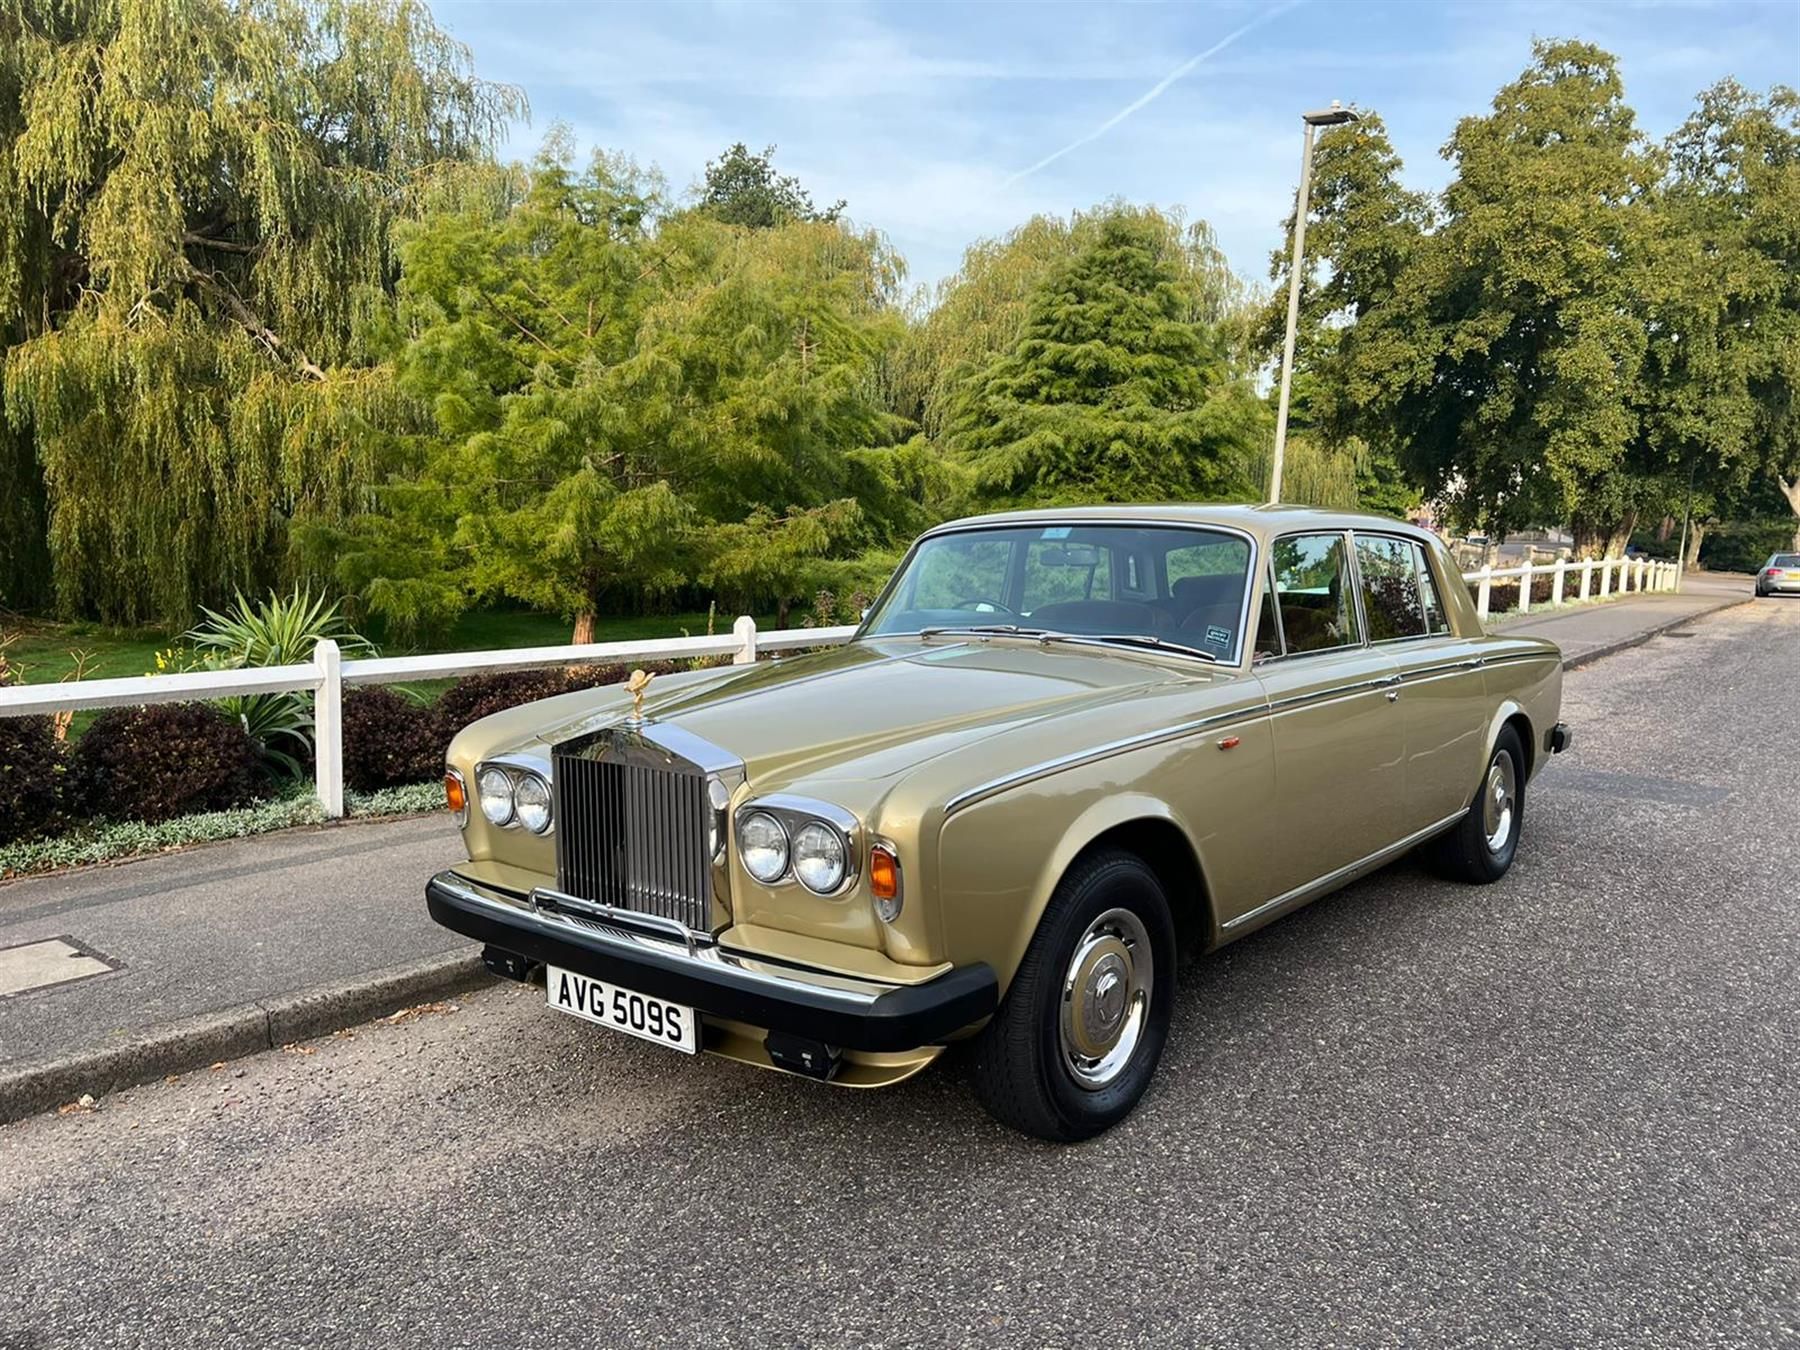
x,y
1055,532
1219,637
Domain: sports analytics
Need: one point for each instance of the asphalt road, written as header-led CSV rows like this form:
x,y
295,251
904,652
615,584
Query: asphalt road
x,y
1563,1110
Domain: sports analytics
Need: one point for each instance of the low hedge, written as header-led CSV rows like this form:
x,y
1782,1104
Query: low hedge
x,y
32,776
161,761
390,740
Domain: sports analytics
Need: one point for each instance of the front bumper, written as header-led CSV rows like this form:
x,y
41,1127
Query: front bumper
x,y
846,1013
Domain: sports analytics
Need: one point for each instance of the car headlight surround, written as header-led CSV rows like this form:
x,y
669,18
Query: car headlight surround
x,y
822,843
494,786
531,803
763,845
821,858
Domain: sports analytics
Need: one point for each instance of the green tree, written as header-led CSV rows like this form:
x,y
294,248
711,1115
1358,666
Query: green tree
x,y
959,326
1116,388
1364,230
609,384
741,188
1502,351
198,210
1724,368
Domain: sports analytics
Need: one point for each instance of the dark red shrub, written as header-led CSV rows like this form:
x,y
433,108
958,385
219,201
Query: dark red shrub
x,y
162,761
32,772
389,740
476,696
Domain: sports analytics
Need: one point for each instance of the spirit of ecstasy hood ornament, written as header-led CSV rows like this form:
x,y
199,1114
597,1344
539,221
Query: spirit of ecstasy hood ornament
x,y
636,686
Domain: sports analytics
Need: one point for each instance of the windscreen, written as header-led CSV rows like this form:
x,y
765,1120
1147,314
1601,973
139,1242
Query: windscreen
x,y
1183,585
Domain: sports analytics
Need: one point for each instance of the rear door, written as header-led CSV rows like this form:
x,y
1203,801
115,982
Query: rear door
x,y
1441,690
1340,743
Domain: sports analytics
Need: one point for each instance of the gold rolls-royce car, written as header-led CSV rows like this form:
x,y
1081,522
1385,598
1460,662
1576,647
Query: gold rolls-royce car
x,y
1063,749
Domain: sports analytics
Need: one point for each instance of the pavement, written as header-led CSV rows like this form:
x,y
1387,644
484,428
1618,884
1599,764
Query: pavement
x,y
1597,628
206,940
1561,1110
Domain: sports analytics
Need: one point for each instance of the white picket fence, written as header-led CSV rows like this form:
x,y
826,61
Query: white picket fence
x,y
1594,579
328,674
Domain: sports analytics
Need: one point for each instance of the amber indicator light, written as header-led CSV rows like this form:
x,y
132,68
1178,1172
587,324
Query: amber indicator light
x,y
884,873
453,793
1229,743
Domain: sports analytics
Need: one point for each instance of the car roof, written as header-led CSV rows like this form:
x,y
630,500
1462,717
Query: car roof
x,y
1264,520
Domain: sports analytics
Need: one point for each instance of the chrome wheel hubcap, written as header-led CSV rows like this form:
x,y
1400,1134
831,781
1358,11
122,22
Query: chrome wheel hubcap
x,y
1106,998
1499,802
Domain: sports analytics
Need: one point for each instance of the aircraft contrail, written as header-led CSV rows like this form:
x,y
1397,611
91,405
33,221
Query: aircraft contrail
x,y
1154,92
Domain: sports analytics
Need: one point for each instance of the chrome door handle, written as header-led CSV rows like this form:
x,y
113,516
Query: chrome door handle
x,y
1393,696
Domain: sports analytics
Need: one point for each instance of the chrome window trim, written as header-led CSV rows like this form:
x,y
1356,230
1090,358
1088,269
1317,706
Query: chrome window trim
x,y
1350,563
1421,554
1241,653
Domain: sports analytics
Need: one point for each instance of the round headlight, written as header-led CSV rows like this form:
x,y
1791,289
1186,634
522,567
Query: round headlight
x,y
819,858
496,790
764,845
531,799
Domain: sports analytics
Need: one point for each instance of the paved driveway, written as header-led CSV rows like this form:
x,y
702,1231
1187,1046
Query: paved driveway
x,y
1564,1110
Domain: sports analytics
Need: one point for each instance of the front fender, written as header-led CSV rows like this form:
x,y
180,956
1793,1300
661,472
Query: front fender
x,y
997,893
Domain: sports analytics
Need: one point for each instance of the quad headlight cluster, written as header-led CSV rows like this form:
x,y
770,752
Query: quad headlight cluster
x,y
511,794
809,842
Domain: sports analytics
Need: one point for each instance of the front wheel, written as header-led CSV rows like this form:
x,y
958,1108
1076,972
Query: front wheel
x,y
1480,847
1078,1038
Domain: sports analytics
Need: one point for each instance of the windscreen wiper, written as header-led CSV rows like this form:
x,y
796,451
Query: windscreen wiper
x,y
1130,640
988,630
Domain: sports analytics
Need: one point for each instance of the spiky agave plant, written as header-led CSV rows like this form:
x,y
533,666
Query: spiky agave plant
x,y
277,631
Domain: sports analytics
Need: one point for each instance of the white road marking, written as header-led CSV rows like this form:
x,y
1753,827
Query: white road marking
x,y
38,964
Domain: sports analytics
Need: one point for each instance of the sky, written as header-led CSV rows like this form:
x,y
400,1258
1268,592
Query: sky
x,y
940,124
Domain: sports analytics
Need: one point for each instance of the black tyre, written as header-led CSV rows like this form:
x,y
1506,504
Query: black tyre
x,y
1077,1040
1480,847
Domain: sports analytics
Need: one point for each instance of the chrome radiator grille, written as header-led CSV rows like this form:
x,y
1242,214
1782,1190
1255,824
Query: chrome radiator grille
x,y
633,836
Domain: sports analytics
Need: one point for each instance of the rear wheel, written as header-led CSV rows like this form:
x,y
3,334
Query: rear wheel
x,y
1480,847
1078,1038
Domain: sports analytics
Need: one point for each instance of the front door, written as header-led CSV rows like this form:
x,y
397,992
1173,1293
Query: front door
x,y
1339,732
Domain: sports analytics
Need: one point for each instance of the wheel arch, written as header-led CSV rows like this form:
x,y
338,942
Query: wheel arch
x,y
1149,828
1510,713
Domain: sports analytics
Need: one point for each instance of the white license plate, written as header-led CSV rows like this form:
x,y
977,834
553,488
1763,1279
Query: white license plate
x,y
635,1014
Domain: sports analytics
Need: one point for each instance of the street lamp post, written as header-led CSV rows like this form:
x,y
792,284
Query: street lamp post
x,y
1325,117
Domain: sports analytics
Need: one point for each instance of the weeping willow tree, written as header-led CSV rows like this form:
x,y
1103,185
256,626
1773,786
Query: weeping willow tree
x,y
197,201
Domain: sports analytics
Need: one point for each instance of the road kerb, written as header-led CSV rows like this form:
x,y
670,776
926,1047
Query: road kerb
x,y
1638,639
233,1033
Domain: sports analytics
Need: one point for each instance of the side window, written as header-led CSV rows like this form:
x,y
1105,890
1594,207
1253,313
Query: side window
x,y
1390,587
962,572
1313,593
1057,572
1436,620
